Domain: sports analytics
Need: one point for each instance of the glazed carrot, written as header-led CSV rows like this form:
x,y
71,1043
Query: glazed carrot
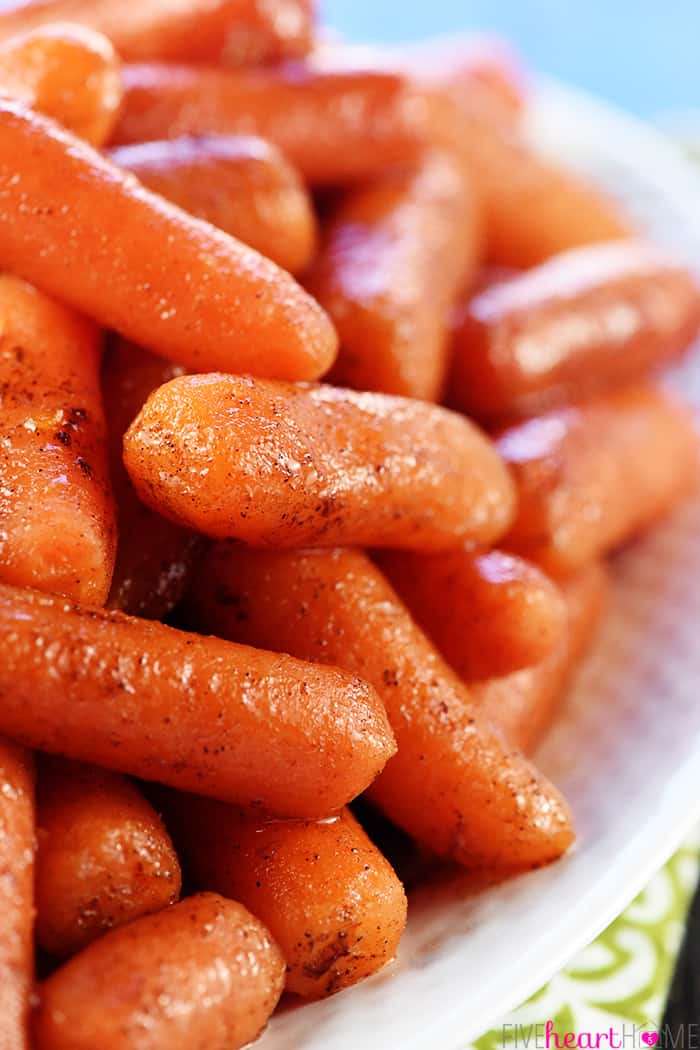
x,y
103,858
233,31
488,614
154,556
196,713
323,889
592,477
464,64
67,72
241,184
16,894
334,127
85,231
202,975
281,465
394,256
523,705
532,208
57,528
587,320
453,785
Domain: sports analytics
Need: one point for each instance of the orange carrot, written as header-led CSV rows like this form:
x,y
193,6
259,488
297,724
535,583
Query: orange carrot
x,y
85,231
454,785
532,208
523,705
233,31
196,713
241,184
592,477
154,556
585,321
323,889
67,72
488,614
103,859
202,975
57,528
334,126
281,465
16,894
393,258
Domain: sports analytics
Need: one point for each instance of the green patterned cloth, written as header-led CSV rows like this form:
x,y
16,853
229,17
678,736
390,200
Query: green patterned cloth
x,y
618,984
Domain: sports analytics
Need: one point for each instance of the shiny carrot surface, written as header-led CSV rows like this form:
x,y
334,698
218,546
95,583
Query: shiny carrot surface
x,y
88,233
196,713
323,889
280,465
16,894
233,31
584,321
202,975
523,705
154,555
57,527
592,477
454,785
488,614
393,258
103,858
241,184
334,127
66,72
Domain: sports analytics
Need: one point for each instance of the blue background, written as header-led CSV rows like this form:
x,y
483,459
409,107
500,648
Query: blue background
x,y
644,55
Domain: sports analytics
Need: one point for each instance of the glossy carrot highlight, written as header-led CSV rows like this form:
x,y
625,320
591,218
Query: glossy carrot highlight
x,y
202,975
592,477
583,322
88,233
280,465
103,859
334,127
241,184
57,521
453,785
66,72
393,257
196,713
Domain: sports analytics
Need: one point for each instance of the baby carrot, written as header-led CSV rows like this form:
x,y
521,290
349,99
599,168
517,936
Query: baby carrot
x,y
488,614
154,555
523,704
16,894
532,208
241,184
57,529
584,321
85,231
196,713
323,889
103,858
66,72
394,255
453,785
233,31
334,127
202,975
591,477
281,465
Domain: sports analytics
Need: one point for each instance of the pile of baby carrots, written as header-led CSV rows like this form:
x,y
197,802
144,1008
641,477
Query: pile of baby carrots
x,y
271,542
